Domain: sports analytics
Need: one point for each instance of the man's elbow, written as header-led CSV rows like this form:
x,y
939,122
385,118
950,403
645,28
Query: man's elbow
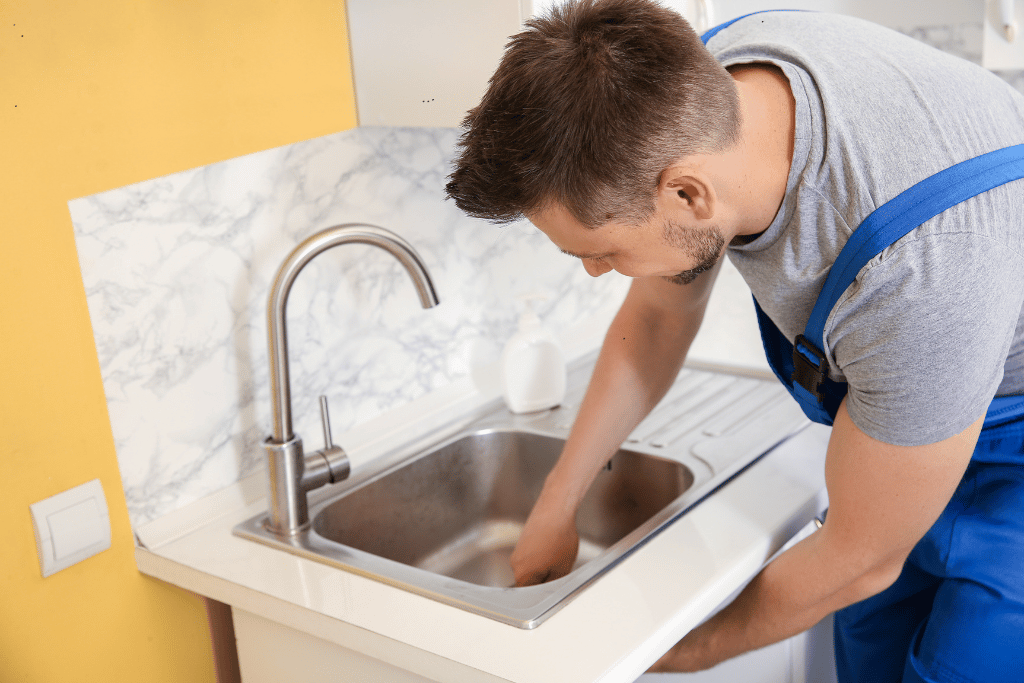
x,y
875,580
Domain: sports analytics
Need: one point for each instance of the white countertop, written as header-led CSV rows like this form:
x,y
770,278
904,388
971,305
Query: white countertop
x,y
612,631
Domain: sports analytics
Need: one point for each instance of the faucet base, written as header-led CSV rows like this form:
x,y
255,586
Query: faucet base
x,y
287,499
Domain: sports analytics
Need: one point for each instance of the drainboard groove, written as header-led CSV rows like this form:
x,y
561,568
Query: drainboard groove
x,y
743,411
671,406
693,412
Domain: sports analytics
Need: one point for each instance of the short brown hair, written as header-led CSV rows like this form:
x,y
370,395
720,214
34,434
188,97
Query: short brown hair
x,y
589,105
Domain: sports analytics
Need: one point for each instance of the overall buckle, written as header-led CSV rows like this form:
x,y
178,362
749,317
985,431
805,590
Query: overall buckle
x,y
805,373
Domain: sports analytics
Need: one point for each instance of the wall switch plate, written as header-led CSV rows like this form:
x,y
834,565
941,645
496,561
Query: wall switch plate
x,y
71,526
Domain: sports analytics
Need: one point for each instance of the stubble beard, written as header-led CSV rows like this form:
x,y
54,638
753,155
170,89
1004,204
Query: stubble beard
x,y
703,244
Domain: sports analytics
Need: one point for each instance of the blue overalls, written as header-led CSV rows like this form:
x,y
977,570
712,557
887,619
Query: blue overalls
x,y
956,613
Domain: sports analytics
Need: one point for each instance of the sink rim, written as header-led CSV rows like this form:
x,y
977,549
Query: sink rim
x,y
525,607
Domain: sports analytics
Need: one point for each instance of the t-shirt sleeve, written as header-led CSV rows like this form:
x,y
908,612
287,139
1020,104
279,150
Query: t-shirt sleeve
x,y
922,335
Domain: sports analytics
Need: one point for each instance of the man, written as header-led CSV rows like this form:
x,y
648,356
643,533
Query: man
x,y
635,148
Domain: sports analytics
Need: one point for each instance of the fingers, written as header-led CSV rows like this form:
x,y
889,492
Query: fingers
x,y
545,551
538,574
664,664
533,579
539,569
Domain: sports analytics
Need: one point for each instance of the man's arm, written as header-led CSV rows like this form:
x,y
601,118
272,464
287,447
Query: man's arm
x,y
882,501
639,360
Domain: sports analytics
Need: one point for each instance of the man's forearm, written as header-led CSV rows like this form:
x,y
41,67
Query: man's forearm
x,y
793,593
882,500
639,360
641,356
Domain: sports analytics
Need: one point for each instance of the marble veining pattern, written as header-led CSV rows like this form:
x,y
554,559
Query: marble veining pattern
x,y
177,271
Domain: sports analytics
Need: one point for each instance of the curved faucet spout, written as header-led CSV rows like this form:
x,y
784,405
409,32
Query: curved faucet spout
x,y
292,473
280,391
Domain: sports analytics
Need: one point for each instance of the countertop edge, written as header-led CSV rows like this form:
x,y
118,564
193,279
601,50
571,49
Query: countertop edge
x,y
307,621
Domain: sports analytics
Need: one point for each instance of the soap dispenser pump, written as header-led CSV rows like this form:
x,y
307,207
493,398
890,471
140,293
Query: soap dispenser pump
x,y
532,365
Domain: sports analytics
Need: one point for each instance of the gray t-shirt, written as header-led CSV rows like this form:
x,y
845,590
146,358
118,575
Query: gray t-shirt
x,y
931,329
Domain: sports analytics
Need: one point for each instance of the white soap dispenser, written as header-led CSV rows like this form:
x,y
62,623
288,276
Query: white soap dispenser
x,y
532,365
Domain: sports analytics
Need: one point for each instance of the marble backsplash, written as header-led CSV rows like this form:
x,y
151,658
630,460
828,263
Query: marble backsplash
x,y
177,270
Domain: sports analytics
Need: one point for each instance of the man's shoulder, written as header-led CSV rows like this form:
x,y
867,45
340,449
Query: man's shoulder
x,y
807,29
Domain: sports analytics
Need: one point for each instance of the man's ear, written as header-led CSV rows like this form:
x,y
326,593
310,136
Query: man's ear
x,y
687,189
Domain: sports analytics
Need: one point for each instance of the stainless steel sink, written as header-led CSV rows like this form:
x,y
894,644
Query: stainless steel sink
x,y
457,511
444,520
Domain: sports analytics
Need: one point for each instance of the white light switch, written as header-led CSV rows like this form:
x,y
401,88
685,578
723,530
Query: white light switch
x,y
71,526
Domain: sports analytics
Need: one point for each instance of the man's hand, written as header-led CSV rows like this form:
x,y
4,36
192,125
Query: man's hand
x,y
683,658
641,357
547,547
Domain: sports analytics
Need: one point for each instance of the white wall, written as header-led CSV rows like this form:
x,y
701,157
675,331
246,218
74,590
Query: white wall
x,y
904,13
899,14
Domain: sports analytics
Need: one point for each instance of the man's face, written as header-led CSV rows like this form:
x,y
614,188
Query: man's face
x,y
658,248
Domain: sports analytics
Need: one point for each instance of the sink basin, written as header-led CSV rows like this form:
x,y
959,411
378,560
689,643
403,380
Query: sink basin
x,y
443,521
458,510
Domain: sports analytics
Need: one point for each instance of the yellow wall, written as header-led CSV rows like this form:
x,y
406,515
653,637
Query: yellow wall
x,y
93,96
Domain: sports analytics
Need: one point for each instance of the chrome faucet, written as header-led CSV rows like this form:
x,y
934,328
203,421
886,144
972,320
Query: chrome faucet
x,y
292,473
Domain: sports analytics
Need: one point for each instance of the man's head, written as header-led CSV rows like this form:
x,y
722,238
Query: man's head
x,y
589,106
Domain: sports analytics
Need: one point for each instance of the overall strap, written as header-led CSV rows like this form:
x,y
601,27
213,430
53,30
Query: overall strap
x,y
884,226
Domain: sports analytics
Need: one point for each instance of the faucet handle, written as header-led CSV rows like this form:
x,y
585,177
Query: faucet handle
x,y
325,419
327,466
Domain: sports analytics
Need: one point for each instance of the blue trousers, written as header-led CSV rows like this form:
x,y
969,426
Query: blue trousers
x,y
956,614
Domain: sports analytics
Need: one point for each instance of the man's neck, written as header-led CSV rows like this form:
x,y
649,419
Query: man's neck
x,y
755,170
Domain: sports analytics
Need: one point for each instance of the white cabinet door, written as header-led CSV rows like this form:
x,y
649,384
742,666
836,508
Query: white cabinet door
x,y
426,63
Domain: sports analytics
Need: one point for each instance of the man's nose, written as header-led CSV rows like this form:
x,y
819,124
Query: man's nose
x,y
595,267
